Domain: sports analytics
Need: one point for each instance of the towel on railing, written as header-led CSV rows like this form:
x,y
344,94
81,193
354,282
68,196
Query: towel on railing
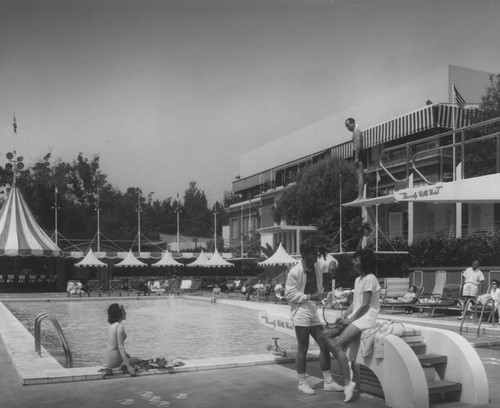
x,y
372,340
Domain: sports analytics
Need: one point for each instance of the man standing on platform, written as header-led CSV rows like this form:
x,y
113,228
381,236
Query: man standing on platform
x,y
359,153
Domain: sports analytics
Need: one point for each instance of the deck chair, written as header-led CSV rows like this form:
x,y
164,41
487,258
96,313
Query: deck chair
x,y
449,299
172,286
116,286
157,288
392,305
196,286
95,286
417,278
186,285
395,287
439,284
74,287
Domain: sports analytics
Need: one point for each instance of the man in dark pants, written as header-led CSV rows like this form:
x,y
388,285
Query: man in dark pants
x,y
304,287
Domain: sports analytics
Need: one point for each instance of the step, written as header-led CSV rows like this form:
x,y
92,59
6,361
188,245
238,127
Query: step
x,y
443,387
418,347
432,359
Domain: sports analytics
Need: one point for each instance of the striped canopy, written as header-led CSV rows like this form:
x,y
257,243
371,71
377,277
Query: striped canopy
x,y
20,234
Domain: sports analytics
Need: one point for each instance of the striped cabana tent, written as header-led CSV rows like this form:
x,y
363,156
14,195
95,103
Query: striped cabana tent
x,y
20,234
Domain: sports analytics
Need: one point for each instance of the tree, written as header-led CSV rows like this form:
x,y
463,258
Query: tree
x,y
197,217
315,200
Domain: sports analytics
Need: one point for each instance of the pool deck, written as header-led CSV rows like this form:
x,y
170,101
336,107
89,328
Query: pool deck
x,y
260,380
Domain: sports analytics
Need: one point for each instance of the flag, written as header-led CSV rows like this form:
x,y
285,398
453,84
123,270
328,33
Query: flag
x,y
460,101
14,125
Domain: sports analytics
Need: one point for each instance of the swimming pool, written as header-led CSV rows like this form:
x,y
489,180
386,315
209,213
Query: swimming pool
x,y
172,326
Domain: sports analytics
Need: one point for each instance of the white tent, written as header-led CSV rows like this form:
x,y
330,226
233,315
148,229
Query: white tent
x,y
90,260
280,257
217,261
20,234
130,260
167,260
200,261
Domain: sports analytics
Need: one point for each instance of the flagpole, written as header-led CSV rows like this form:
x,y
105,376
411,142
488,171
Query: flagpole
x,y
55,210
98,225
340,211
454,97
139,223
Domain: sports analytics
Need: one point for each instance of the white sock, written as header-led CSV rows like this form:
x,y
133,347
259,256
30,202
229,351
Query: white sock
x,y
327,376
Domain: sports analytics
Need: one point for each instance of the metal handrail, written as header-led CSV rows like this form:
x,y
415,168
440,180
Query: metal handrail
x,y
38,337
411,160
483,308
492,315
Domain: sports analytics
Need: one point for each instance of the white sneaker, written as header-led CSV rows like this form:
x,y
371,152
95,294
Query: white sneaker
x,y
305,388
333,386
349,391
460,317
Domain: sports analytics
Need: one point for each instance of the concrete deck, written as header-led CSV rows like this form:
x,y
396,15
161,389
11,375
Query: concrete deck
x,y
261,380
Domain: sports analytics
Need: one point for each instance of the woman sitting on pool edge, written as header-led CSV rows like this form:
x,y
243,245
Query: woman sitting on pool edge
x,y
115,354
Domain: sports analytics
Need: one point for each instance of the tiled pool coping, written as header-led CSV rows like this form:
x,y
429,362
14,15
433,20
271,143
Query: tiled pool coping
x,y
32,369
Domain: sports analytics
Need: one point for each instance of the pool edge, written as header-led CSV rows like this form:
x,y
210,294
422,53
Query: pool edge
x,y
34,370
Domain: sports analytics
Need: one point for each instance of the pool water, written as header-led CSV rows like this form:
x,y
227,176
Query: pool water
x,y
168,327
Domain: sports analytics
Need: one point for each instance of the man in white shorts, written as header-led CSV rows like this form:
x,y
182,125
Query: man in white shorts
x,y
304,287
473,280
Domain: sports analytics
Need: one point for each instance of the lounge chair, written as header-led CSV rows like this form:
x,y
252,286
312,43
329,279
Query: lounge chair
x,y
448,299
157,288
395,305
95,286
172,286
74,287
395,287
186,285
196,286
116,286
439,284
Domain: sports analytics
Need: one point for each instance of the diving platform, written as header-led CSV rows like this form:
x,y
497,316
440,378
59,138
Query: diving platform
x,y
482,189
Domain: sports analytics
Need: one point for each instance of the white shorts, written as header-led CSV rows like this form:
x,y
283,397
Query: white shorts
x,y
367,321
470,289
305,314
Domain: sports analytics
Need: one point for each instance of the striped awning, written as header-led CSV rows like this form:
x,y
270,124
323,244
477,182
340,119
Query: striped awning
x,y
431,117
20,234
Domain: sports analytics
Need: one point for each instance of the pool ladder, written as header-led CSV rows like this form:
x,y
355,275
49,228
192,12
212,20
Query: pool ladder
x,y
57,326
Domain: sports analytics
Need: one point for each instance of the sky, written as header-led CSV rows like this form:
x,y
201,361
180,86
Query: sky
x,y
173,91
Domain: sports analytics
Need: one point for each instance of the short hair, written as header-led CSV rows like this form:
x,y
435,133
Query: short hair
x,y
414,288
367,259
350,120
496,281
115,313
307,247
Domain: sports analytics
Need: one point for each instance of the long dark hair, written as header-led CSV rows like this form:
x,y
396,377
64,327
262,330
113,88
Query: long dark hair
x,y
115,313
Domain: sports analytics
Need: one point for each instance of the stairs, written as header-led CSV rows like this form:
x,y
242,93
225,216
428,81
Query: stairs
x,y
434,366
